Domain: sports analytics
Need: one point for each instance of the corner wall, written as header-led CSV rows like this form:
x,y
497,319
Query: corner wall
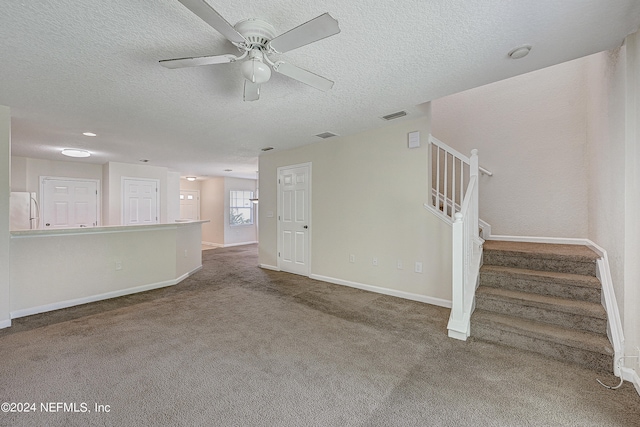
x,y
5,184
212,209
368,192
530,131
614,178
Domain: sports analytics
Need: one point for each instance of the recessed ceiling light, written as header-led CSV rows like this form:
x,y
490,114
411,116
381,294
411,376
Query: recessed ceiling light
x,y
89,134
519,52
267,148
144,160
191,178
228,170
72,152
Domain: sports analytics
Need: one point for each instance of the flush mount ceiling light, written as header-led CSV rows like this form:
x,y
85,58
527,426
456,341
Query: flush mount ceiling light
x,y
72,152
519,52
191,178
89,134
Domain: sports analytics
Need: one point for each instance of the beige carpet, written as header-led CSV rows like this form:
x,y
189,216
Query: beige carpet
x,y
235,345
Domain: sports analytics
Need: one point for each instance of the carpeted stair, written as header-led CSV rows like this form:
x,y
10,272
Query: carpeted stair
x,y
543,298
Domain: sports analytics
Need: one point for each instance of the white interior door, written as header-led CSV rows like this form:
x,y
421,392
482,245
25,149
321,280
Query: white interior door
x,y
190,204
140,201
69,203
294,219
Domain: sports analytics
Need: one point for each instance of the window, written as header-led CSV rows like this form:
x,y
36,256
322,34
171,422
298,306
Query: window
x,y
240,208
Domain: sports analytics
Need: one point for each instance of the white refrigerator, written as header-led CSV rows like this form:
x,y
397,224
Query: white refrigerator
x,y
24,211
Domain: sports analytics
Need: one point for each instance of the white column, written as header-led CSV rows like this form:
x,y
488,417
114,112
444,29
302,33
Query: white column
x,y
5,237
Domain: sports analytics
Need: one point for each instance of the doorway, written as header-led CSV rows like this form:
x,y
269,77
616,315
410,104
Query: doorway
x,y
294,219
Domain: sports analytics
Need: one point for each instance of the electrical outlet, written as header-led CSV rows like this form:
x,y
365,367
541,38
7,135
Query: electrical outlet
x,y
118,265
399,264
418,267
375,262
352,258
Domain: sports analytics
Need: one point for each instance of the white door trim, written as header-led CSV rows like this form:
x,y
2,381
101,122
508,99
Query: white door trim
x,y
278,213
60,178
123,191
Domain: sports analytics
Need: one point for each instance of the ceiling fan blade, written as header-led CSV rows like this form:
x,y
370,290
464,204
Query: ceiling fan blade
x,y
209,15
251,91
304,76
197,61
317,29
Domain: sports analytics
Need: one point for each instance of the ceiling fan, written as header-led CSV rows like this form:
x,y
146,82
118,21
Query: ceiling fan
x,y
256,40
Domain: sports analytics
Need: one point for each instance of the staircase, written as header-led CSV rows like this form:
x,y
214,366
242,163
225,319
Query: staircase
x,y
543,298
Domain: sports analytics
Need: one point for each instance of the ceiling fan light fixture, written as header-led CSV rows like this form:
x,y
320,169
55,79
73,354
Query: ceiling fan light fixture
x,y
255,70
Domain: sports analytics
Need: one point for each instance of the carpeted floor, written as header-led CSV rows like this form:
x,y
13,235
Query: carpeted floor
x,y
235,345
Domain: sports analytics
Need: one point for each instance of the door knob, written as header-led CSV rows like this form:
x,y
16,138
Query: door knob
x,y
306,226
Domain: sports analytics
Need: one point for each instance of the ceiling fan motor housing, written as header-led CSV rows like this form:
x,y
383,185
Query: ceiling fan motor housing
x,y
257,32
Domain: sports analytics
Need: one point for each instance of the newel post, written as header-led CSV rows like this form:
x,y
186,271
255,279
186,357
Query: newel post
x,y
457,273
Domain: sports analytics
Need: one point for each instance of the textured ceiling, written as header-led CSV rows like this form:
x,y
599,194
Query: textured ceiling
x,y
92,65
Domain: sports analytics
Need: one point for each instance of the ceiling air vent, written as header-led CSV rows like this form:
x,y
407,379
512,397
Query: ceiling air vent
x,y
395,115
325,135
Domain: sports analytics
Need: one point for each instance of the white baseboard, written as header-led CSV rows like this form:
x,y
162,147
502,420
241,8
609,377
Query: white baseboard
x,y
386,291
5,323
239,244
632,376
221,245
215,245
93,298
269,267
537,239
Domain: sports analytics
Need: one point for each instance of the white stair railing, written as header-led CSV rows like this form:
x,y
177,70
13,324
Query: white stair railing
x,y
449,177
454,198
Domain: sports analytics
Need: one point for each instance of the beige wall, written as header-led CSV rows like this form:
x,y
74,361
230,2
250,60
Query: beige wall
x,y
530,131
173,196
5,183
614,176
632,204
606,142
368,192
212,209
